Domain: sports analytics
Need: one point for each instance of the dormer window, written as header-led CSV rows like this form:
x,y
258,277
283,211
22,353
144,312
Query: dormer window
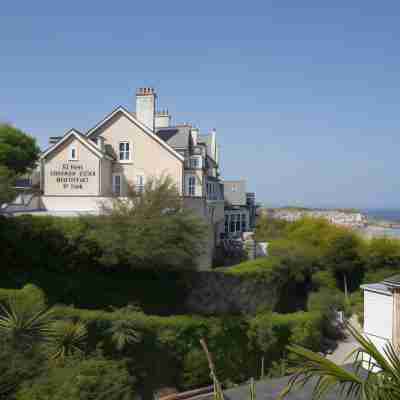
x,y
73,153
124,151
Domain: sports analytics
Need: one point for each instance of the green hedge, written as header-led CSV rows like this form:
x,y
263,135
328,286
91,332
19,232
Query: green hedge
x,y
172,343
52,253
169,352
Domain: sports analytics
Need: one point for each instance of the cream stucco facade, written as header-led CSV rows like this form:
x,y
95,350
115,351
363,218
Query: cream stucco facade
x,y
80,166
148,159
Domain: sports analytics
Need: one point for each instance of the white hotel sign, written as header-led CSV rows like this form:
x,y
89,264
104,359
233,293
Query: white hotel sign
x,y
73,176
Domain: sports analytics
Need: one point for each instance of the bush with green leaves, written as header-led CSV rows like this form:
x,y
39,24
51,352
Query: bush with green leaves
x,y
19,366
149,230
91,379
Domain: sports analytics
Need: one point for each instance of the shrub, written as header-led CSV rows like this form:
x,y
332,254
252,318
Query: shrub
x,y
323,279
327,302
84,380
303,328
30,294
151,230
17,367
357,305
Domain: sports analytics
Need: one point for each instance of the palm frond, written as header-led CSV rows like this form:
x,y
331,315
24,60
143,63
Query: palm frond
x,y
123,333
375,375
325,373
25,324
69,338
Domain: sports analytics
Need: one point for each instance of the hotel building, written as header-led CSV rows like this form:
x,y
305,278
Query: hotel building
x,y
81,171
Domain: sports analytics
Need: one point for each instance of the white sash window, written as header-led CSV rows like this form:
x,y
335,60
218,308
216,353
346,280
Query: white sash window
x,y
140,181
124,151
116,184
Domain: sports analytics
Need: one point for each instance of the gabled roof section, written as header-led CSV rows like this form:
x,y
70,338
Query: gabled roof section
x,y
82,138
134,120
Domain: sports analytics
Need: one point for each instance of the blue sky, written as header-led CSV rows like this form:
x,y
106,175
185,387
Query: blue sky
x,y
305,96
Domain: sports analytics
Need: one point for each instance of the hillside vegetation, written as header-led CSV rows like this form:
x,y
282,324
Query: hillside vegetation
x,y
134,326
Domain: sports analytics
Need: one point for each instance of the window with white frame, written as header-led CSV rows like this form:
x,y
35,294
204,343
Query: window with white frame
x,y
124,151
191,185
140,183
195,162
235,223
73,153
116,184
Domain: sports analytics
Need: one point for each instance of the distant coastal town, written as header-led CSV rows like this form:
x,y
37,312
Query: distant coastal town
x,y
369,225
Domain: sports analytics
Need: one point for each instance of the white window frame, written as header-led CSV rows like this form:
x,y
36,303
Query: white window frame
x,y
115,185
191,185
73,153
129,151
140,182
196,162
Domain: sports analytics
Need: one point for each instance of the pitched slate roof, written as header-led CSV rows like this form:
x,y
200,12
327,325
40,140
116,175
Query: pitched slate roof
x,y
178,137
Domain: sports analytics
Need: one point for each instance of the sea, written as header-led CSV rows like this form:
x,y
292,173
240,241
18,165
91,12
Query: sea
x,y
382,215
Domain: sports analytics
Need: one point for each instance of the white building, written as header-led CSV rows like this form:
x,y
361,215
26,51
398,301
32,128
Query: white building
x,y
382,312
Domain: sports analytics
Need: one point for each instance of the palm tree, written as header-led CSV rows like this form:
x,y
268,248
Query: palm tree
x,y
69,338
25,325
360,383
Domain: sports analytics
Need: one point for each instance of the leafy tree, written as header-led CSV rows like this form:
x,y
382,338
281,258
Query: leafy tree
x,y
326,376
344,260
269,228
382,253
261,337
18,151
7,182
151,230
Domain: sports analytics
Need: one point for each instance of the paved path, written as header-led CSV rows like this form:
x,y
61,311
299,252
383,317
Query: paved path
x,y
346,346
